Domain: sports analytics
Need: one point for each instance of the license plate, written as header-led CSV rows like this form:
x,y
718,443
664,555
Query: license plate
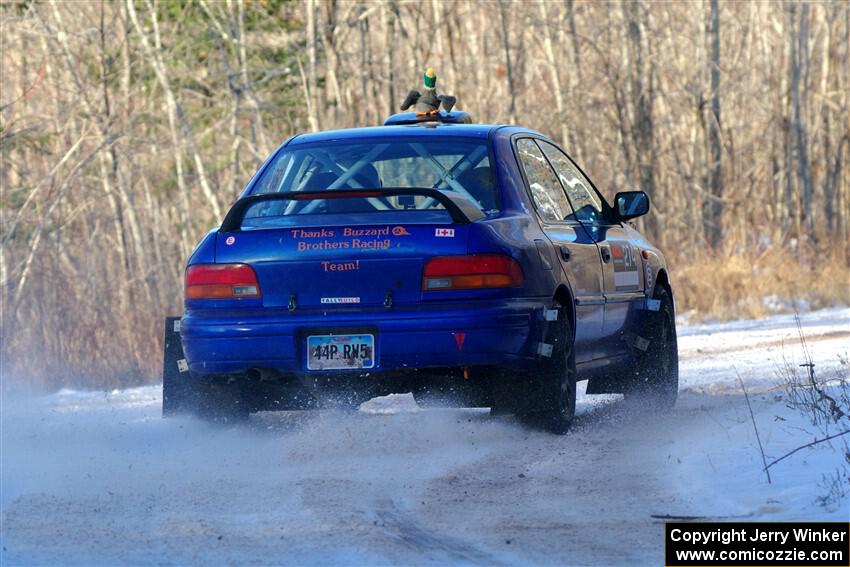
x,y
340,352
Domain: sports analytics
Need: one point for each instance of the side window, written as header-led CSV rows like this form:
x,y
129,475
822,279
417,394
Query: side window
x,y
549,198
272,178
585,201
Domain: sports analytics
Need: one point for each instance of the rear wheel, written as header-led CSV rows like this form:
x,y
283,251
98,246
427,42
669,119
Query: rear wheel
x,y
220,399
209,398
214,399
553,384
656,376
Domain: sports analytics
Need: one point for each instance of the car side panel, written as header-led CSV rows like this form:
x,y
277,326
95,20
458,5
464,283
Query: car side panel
x,y
623,285
204,252
579,274
578,258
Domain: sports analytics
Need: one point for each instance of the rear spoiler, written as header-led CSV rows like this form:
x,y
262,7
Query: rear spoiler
x,y
460,208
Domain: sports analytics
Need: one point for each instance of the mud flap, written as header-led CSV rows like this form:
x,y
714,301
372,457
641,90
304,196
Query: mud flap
x,y
617,380
607,382
177,392
523,392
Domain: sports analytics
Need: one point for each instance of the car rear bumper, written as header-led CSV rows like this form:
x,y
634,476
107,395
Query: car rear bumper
x,y
502,332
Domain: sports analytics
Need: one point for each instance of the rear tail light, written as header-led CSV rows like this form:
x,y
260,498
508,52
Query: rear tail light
x,y
471,272
221,281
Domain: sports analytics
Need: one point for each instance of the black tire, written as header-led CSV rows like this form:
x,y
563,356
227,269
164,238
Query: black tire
x,y
212,399
220,399
656,377
553,383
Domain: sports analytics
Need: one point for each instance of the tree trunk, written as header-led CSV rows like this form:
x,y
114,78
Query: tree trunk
x,y
312,89
713,220
503,20
642,132
799,101
554,66
176,116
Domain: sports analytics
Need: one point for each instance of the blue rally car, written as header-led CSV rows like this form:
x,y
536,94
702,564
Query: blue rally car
x,y
468,264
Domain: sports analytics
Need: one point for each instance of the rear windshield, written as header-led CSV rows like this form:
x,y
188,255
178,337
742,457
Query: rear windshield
x,y
437,163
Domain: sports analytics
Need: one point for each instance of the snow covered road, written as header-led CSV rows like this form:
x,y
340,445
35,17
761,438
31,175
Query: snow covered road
x,y
99,478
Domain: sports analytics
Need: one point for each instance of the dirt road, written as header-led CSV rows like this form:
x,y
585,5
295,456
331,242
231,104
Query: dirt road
x,y
99,478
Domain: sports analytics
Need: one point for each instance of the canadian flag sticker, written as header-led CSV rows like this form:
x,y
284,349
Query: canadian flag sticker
x,y
444,232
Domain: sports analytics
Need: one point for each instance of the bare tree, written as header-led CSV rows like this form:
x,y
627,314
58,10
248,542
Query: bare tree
x,y
714,205
126,128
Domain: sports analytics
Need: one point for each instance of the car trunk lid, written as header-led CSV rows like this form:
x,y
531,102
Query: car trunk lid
x,y
341,265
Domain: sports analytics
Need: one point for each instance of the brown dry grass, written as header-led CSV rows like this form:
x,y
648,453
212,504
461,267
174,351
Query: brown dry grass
x,y
750,285
67,351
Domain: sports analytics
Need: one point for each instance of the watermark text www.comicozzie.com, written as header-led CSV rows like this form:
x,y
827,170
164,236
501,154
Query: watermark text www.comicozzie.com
x,y
763,544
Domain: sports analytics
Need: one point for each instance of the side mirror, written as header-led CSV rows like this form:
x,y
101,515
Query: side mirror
x,y
631,204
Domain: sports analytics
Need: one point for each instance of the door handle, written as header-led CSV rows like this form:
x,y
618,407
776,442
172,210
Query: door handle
x,y
565,253
606,254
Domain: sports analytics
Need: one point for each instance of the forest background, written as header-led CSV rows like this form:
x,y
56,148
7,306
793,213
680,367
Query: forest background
x,y
128,127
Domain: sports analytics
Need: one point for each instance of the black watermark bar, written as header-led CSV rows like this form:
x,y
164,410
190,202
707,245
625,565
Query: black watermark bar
x,y
761,544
